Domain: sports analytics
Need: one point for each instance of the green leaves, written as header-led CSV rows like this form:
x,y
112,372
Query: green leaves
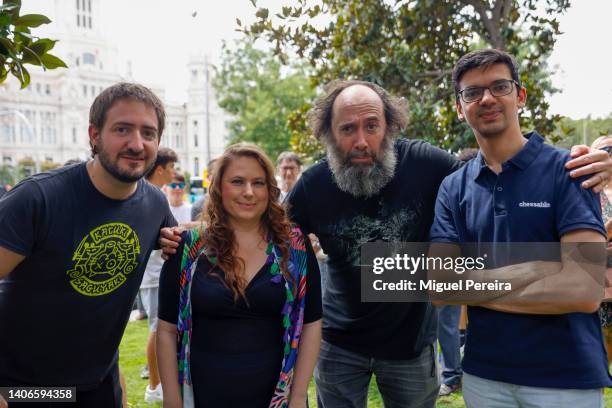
x,y
31,20
5,19
52,62
19,47
7,47
42,46
410,48
260,95
21,73
262,13
30,57
8,7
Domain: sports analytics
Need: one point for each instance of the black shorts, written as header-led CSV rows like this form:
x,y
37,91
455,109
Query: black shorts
x,y
106,395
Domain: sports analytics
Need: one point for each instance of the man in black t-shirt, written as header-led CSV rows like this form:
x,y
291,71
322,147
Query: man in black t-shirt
x,y
73,246
368,190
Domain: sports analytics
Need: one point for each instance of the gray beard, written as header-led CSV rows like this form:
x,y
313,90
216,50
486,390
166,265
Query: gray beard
x,y
362,180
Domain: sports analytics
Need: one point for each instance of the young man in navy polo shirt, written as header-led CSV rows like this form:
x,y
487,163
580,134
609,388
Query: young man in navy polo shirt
x,y
516,190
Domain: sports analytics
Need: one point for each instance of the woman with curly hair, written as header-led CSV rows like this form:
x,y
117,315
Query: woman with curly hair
x,y
240,303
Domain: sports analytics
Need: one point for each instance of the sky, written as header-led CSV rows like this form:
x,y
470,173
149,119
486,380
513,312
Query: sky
x,y
583,59
158,36
171,34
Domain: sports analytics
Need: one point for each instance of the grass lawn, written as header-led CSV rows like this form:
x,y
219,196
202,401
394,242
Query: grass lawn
x,y
133,358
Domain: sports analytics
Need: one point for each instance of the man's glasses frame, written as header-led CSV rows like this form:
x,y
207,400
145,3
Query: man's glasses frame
x,y
494,92
176,185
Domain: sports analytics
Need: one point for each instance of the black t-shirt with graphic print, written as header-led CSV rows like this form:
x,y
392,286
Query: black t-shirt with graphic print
x,y
63,309
402,211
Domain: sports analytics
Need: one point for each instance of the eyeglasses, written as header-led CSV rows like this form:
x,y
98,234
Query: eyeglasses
x,y
176,185
498,88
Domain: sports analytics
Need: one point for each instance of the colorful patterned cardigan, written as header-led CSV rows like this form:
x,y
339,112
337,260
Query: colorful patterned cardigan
x,y
292,312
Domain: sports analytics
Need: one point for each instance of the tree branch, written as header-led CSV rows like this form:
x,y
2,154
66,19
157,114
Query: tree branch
x,y
492,27
506,12
437,74
497,10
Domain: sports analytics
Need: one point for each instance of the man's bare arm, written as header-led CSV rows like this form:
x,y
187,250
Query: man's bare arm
x,y
8,261
521,275
531,283
573,286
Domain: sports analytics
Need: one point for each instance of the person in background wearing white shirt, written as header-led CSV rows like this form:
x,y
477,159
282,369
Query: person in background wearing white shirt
x,y
161,174
176,194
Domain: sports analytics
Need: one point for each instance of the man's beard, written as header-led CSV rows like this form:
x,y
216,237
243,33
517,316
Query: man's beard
x,y
112,167
362,180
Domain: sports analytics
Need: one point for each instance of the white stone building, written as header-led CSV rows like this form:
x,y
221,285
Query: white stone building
x,y
48,120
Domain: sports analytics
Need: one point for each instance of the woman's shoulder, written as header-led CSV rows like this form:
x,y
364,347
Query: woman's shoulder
x,y
192,237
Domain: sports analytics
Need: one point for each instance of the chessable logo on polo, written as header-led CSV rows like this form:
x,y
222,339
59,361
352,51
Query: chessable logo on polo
x,y
411,264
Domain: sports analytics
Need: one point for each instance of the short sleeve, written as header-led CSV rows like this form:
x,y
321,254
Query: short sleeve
x,y
169,286
297,206
312,308
169,220
21,217
577,208
444,227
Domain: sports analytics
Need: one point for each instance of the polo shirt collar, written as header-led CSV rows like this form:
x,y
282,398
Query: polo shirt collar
x,y
477,166
522,159
529,152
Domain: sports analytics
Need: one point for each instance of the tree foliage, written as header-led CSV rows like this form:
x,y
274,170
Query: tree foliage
x,y
410,47
571,132
19,47
260,94
49,165
7,175
25,168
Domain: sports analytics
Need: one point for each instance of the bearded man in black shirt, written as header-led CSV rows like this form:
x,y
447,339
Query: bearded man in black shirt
x,y
368,190
74,243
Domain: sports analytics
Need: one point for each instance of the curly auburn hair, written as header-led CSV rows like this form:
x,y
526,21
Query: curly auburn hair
x,y
218,235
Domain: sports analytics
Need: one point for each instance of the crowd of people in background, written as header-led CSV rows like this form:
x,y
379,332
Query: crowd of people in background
x,y
256,287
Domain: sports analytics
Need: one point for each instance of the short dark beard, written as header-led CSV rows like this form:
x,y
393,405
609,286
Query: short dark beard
x,y
362,180
114,170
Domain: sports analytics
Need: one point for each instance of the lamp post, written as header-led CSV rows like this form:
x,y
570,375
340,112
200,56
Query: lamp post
x,y
207,96
194,16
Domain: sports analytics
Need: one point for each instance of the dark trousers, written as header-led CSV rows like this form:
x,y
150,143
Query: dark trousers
x,y
343,377
448,336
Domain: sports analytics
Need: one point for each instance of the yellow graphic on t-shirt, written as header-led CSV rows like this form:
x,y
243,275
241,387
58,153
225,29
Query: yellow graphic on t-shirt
x,y
104,259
